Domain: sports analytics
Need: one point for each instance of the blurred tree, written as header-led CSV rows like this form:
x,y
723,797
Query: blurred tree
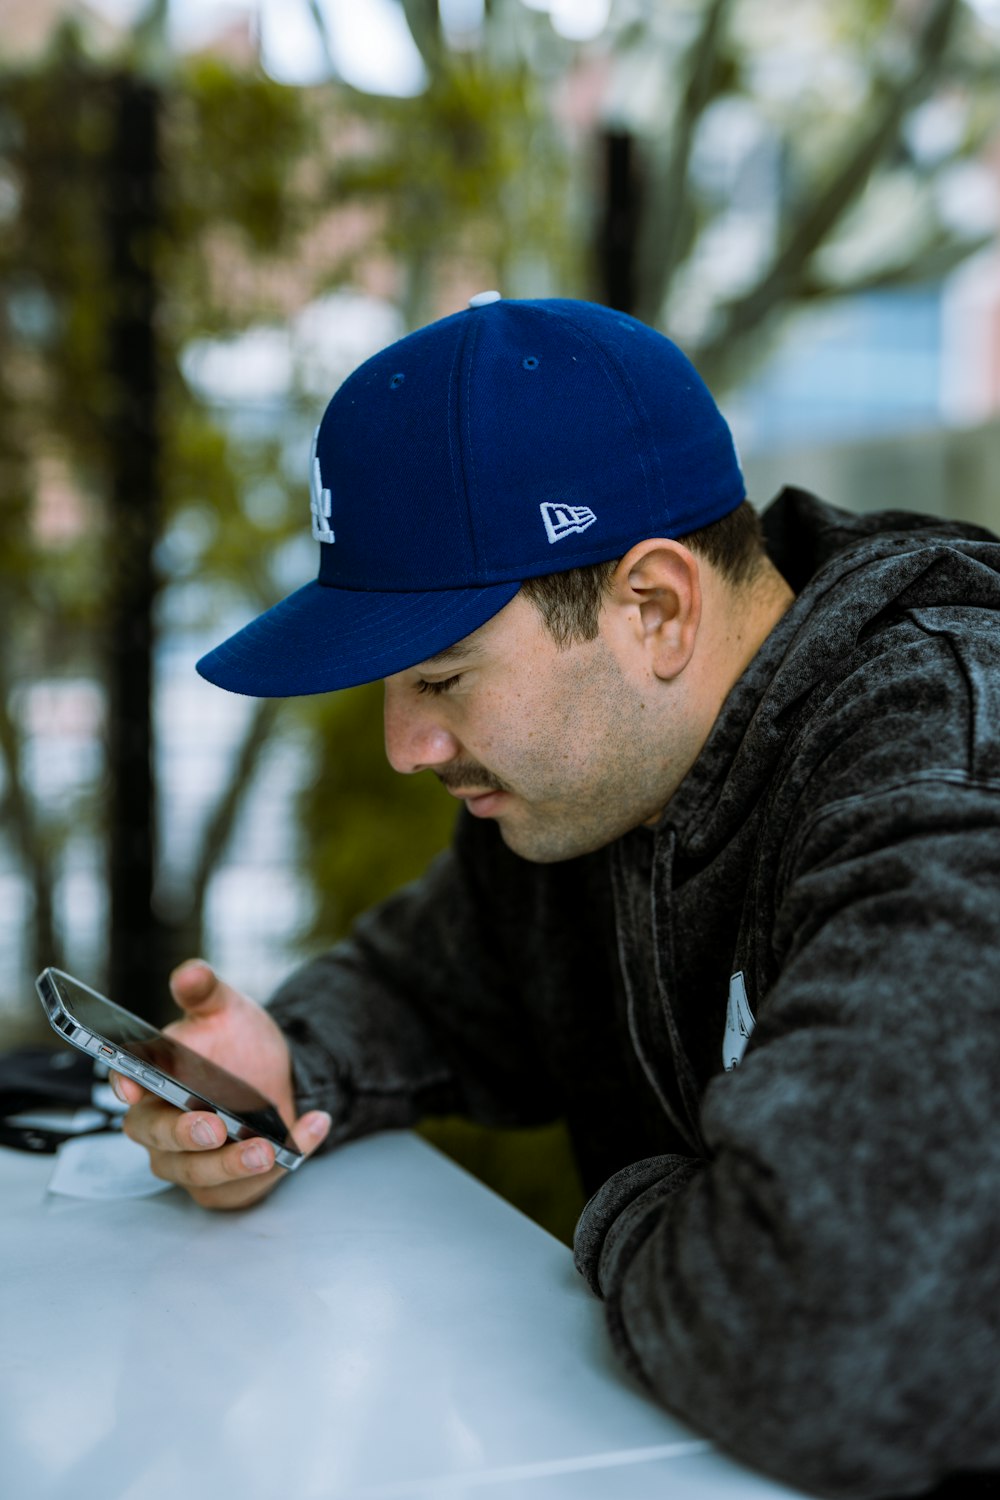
x,y
132,214
785,161
157,202
469,182
469,177
749,161
118,190
445,176
804,174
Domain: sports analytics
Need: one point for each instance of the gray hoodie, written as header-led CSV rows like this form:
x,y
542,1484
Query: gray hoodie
x,y
772,1024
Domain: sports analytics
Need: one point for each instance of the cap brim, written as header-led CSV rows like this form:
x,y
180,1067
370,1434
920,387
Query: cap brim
x,y
322,638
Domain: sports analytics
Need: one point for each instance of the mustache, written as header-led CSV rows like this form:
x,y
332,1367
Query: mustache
x,y
470,777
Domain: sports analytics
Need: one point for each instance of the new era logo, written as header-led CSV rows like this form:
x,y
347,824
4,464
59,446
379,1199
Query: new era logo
x,y
320,500
560,520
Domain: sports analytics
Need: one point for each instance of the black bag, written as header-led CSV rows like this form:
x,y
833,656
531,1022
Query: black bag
x,y
43,1078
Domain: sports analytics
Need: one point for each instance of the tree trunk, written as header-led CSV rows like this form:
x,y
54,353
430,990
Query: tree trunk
x,y
618,230
132,222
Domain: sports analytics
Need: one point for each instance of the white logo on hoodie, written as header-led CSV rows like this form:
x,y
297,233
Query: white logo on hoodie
x,y
739,1023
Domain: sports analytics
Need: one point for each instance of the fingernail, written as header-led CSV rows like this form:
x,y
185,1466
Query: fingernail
x,y
116,1089
203,1134
255,1157
318,1126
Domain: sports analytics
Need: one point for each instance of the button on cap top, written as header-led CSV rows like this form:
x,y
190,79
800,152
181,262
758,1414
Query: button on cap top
x,y
483,299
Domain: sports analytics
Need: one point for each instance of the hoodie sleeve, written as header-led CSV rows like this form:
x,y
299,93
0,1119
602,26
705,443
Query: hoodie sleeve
x,y
821,1293
420,1011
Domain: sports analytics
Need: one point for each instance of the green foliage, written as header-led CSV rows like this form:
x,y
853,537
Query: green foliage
x,y
533,1169
473,169
229,148
232,146
479,174
247,168
55,127
456,145
237,144
365,830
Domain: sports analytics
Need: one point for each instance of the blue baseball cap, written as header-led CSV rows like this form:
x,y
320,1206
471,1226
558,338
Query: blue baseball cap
x,y
509,440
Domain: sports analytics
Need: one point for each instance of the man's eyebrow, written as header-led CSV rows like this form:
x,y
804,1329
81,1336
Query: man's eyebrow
x,y
466,650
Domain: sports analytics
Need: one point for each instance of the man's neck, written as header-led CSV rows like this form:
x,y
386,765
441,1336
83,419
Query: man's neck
x,y
771,599
739,619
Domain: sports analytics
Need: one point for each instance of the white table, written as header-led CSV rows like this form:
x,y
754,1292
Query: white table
x,y
382,1326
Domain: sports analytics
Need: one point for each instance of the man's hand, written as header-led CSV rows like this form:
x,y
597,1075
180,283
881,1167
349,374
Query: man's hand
x,y
192,1149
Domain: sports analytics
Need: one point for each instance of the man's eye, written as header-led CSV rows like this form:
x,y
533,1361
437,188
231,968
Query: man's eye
x,y
438,687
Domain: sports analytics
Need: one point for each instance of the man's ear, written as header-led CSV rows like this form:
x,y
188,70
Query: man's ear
x,y
659,583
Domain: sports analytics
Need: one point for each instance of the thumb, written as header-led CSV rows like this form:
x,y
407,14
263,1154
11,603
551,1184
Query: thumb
x,y
197,989
311,1130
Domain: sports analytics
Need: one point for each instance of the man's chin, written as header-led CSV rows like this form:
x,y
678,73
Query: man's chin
x,y
544,847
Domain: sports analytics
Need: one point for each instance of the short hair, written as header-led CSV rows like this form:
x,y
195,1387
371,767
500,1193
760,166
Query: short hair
x,y
570,603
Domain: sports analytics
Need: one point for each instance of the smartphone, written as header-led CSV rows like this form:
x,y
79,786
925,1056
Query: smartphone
x,y
160,1064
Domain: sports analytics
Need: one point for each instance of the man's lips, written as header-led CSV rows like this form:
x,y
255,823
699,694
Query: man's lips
x,y
480,803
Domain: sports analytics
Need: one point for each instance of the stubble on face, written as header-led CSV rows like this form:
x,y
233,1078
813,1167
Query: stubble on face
x,y
577,754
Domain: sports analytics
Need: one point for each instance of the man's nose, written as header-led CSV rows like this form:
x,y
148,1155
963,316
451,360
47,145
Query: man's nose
x,y
415,738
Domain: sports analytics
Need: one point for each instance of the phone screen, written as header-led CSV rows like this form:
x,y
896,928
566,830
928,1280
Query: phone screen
x,y
116,1035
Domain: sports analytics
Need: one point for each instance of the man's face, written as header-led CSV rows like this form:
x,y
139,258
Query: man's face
x,y
558,745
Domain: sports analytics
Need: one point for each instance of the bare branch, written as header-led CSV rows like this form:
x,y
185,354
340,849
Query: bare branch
x,y
319,21
425,28
218,829
661,248
784,277
931,263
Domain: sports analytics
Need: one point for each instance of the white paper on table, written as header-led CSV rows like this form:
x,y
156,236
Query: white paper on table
x,y
65,1118
104,1166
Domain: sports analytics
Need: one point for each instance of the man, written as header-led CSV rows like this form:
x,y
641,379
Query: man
x,y
725,894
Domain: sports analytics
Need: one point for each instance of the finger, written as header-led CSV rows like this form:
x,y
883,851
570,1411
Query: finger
x,y
125,1090
241,1173
251,1178
194,979
311,1130
198,990
242,1193
236,1162
158,1126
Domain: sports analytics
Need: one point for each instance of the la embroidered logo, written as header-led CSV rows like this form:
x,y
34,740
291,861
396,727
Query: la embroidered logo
x,y
320,500
740,1023
560,520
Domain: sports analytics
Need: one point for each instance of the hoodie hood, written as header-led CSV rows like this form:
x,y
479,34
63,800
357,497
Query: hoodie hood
x,y
854,576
